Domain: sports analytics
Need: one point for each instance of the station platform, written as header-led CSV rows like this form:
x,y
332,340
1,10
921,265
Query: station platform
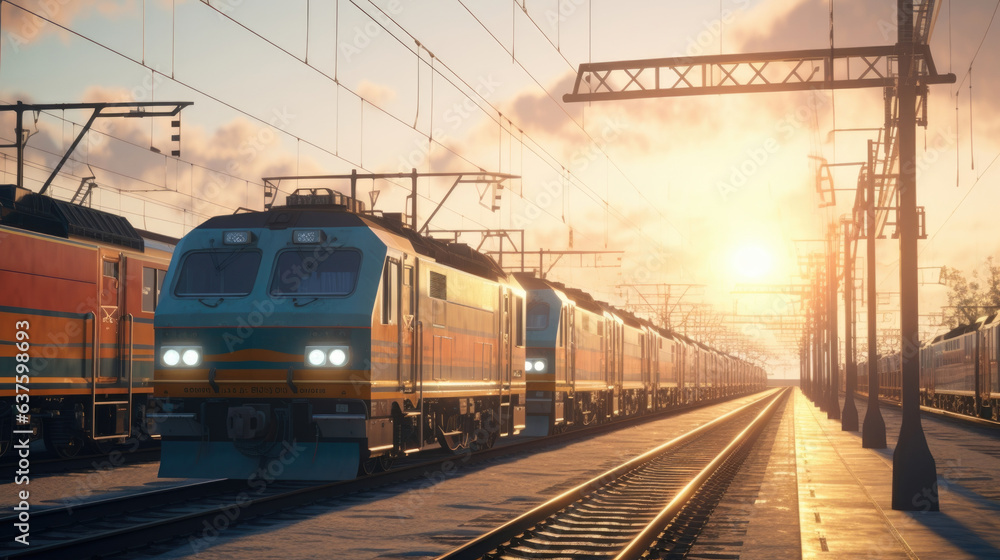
x,y
844,493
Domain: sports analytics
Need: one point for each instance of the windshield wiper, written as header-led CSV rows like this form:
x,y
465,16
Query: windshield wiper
x,y
206,304
295,302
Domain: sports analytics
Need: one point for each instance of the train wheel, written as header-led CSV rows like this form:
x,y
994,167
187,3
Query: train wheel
x,y
369,466
386,461
66,449
61,439
488,432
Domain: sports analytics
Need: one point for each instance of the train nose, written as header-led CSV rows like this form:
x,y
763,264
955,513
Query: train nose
x,y
245,422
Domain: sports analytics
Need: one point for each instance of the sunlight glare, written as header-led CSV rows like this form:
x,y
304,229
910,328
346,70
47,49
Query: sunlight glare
x,y
751,262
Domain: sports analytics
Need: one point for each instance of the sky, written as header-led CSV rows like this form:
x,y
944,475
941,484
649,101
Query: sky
x,y
710,191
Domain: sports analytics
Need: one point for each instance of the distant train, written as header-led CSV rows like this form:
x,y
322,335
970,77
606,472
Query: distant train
x,y
959,371
315,341
590,362
81,286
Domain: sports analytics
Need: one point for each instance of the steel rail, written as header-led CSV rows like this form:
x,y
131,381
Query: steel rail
x,y
492,540
642,542
83,512
138,533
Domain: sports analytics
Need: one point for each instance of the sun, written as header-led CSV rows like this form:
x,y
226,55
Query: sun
x,y
752,262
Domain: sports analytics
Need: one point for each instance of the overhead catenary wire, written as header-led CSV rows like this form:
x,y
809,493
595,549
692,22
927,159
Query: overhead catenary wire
x,y
215,98
553,163
986,33
470,88
526,140
563,108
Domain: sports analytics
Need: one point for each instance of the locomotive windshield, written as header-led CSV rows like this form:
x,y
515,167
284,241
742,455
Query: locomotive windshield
x,y
538,316
312,272
218,273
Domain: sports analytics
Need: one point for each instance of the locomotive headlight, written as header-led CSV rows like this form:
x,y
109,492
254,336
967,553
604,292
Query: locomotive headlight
x,y
538,365
528,366
180,356
191,357
338,356
327,356
316,357
171,357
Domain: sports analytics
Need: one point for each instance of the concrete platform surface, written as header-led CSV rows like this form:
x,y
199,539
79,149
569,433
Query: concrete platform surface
x,y
845,492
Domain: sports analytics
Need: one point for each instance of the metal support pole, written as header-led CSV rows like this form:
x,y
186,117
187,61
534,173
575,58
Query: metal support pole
x,y
914,474
849,418
804,360
20,141
69,151
354,189
873,430
817,347
819,399
413,201
833,406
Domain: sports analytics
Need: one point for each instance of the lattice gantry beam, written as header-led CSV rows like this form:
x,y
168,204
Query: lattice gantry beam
x,y
842,68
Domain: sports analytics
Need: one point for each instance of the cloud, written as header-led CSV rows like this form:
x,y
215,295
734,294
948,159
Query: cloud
x,y
22,27
221,168
376,94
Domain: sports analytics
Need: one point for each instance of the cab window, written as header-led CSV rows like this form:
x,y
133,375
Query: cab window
x,y
538,316
217,273
315,272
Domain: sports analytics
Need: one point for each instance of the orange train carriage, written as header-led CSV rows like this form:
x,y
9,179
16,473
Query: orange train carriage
x,y
83,284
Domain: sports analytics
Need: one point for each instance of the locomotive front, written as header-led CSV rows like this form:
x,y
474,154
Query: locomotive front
x,y
263,348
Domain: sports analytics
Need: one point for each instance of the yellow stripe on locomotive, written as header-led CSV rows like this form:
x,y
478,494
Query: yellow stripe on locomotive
x,y
304,342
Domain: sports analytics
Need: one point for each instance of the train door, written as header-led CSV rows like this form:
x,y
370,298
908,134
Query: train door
x,y
506,330
987,349
110,406
654,369
571,347
411,352
619,365
408,326
609,362
610,366
106,370
990,373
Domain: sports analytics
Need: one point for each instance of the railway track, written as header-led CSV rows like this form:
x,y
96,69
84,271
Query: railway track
x,y
967,419
652,506
49,465
124,524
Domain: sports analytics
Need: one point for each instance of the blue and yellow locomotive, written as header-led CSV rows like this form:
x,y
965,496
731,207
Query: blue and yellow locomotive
x,y
591,362
315,340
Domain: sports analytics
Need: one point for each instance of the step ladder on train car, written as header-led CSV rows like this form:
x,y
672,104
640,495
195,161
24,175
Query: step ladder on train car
x,y
110,413
110,406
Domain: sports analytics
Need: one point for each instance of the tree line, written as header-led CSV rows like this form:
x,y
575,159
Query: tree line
x,y
972,297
